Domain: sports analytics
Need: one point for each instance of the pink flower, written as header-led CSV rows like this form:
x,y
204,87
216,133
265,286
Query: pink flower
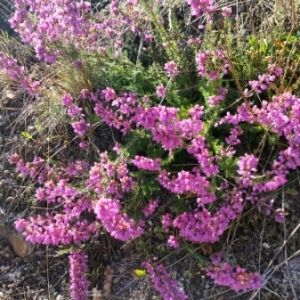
x,y
150,208
237,279
279,215
162,281
171,69
145,163
166,222
66,100
50,59
20,224
84,145
213,75
14,158
114,7
77,64
85,93
80,127
119,225
173,241
161,91
117,148
78,270
109,94
226,12
74,111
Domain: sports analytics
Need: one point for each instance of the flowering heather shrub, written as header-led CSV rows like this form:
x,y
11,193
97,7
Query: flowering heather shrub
x,y
45,24
165,122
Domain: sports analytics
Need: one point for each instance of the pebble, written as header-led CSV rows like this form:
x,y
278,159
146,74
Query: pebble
x,y
206,293
173,274
4,268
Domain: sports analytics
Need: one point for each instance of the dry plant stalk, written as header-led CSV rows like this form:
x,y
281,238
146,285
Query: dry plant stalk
x,y
107,285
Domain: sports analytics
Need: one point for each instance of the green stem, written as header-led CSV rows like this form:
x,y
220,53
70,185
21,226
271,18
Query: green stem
x,y
171,45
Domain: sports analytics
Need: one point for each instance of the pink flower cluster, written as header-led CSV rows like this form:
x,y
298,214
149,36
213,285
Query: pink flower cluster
x,y
171,69
44,25
242,115
188,182
150,208
145,163
66,225
247,165
36,169
163,283
38,22
173,241
116,110
232,139
226,12
161,91
59,229
118,224
235,278
215,99
201,7
165,126
263,81
78,270
16,73
108,178
80,126
280,117
201,225
207,163
212,71
77,169
201,59
10,65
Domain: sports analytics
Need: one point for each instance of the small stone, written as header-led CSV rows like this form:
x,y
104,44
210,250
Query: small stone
x,y
11,285
266,245
117,279
4,268
173,274
9,199
206,293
